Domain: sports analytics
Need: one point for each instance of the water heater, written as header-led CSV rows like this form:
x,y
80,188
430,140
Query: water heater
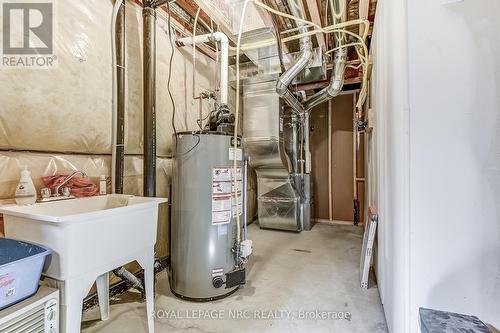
x,y
203,263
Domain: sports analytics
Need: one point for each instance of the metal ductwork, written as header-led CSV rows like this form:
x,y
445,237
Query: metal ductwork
x,y
339,66
306,55
336,82
273,138
338,72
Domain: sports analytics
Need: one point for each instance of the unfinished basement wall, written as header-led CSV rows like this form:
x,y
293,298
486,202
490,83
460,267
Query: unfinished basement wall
x,y
341,189
434,170
58,120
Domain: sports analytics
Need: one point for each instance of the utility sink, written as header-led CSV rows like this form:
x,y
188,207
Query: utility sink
x,y
89,237
85,232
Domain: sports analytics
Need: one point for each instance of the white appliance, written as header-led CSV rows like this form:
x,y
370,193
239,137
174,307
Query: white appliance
x,y
36,314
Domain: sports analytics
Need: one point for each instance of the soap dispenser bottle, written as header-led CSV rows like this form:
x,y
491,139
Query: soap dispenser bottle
x,y
25,191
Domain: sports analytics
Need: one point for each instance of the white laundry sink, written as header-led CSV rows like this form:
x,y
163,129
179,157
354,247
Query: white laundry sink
x,y
85,233
89,237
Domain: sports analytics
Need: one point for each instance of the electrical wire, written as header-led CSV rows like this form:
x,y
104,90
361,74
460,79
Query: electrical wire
x,y
192,148
217,78
236,121
194,51
170,76
336,28
200,121
329,29
195,25
339,14
278,43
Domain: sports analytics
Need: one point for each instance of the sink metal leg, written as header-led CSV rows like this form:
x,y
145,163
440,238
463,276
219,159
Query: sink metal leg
x,y
102,283
147,263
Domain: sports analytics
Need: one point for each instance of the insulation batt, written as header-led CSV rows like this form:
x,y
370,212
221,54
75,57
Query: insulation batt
x,y
68,107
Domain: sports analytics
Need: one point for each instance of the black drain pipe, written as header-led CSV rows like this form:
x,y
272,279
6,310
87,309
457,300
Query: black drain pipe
x,y
120,127
120,85
119,141
149,97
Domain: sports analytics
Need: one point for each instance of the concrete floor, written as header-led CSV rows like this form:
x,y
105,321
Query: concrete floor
x,y
300,273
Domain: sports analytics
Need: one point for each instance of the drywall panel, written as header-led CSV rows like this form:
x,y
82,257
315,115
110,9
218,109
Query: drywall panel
x,y
389,162
455,149
448,257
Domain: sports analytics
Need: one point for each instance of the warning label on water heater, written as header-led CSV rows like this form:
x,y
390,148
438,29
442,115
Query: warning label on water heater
x,y
221,203
223,188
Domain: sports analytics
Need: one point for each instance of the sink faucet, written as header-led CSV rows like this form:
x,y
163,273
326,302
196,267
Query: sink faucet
x,y
56,190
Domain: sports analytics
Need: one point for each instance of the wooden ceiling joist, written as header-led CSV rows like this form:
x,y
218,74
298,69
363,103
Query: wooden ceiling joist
x,y
185,28
191,8
314,12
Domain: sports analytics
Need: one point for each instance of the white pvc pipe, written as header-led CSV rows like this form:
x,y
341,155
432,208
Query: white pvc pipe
x,y
224,66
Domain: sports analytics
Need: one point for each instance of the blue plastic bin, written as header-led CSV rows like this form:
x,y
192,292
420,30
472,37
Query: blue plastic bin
x,y
21,265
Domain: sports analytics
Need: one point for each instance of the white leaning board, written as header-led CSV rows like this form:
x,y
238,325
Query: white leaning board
x,y
366,253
